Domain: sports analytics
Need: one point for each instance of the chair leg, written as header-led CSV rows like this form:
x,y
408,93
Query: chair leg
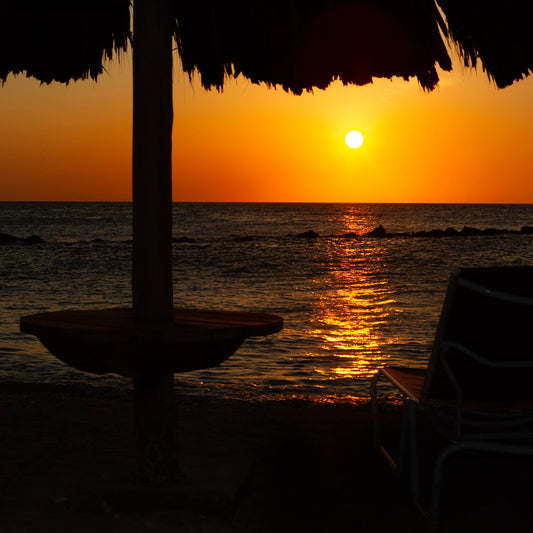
x,y
408,446
375,410
436,486
411,427
405,440
438,468
376,423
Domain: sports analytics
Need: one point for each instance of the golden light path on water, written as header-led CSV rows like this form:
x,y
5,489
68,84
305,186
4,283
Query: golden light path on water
x,y
351,314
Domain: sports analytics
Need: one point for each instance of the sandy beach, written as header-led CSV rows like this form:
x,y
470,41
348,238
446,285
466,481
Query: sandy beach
x,y
278,466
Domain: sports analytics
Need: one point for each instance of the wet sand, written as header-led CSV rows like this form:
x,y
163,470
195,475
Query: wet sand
x,y
298,466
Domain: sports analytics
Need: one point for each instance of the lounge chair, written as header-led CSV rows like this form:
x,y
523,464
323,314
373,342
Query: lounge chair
x,y
477,390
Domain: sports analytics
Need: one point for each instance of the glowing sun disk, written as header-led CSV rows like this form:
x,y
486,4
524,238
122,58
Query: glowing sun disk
x,y
354,139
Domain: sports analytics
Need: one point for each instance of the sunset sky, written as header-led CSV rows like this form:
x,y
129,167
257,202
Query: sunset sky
x,y
465,142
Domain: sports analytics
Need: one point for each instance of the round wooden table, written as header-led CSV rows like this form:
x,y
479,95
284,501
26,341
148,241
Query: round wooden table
x,y
115,340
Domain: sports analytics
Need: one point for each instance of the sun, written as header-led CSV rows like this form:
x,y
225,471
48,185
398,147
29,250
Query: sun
x,y
354,139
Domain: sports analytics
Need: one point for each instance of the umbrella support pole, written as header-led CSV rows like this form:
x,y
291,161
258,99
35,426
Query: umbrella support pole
x,y
156,432
152,160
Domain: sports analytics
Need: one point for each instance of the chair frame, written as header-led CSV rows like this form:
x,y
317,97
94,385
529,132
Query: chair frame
x,y
499,427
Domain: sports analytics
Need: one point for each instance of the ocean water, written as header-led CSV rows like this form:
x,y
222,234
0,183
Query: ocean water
x,y
351,304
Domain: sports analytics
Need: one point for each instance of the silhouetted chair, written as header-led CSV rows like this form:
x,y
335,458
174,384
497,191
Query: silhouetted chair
x,y
478,387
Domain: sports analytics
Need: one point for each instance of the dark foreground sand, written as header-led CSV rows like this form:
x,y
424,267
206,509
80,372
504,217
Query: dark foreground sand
x,y
310,468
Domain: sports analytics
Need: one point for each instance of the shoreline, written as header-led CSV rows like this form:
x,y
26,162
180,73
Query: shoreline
x,y
113,390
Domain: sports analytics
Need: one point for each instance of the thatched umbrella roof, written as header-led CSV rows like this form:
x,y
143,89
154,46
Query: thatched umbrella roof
x,y
297,44
58,40
498,33
302,44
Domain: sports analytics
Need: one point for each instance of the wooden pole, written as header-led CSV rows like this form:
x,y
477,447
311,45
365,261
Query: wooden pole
x,y
152,226
155,423
152,159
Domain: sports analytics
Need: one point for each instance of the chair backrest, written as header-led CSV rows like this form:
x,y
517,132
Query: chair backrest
x,y
487,312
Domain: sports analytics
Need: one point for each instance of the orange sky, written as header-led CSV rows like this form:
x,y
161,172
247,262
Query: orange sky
x,y
465,142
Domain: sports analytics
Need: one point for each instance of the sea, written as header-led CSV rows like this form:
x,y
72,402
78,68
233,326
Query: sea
x,y
352,300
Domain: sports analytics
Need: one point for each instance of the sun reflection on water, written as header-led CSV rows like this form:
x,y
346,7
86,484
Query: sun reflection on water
x,y
351,313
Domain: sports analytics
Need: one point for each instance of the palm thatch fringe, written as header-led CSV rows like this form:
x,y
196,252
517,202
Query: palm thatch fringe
x,y
499,34
301,44
61,40
296,44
